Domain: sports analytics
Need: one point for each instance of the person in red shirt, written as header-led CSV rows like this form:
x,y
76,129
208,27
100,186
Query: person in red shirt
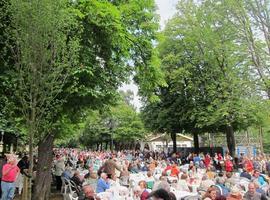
x,y
248,165
207,160
228,165
174,170
9,174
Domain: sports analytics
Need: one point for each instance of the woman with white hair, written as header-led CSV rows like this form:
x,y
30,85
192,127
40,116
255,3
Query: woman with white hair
x,y
9,174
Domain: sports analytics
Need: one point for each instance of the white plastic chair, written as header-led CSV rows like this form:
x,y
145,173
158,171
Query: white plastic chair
x,y
65,185
71,196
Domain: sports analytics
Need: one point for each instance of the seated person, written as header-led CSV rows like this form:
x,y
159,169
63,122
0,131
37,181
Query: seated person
x,y
150,180
67,173
206,183
76,178
245,174
182,184
257,176
144,193
88,193
235,193
210,173
133,168
160,194
162,183
90,172
174,170
137,193
221,188
251,194
103,183
124,176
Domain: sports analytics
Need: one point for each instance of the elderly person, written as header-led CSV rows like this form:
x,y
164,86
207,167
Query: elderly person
x,y
206,183
162,183
9,174
182,184
251,194
103,183
235,194
137,191
88,193
77,179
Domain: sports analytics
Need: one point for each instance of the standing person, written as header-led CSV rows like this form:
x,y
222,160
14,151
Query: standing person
x,y
3,161
9,174
59,169
23,165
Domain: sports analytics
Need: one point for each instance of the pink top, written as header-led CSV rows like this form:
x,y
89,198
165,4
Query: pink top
x,y
12,170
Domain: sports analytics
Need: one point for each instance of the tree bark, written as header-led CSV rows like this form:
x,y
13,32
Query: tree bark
x,y
196,142
43,180
173,136
230,139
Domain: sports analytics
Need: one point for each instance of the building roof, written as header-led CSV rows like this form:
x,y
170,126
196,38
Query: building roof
x,y
164,137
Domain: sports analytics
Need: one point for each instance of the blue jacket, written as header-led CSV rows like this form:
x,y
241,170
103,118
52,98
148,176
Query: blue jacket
x,y
102,185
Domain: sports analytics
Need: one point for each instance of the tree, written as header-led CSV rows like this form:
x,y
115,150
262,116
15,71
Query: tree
x,y
205,70
120,125
67,56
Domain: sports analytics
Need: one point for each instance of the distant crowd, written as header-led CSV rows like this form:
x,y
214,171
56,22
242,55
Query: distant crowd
x,y
156,175
140,175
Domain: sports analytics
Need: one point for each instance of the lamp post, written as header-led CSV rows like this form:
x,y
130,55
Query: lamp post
x,y
2,142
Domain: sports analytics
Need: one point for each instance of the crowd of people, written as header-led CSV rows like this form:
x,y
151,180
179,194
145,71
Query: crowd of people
x,y
141,175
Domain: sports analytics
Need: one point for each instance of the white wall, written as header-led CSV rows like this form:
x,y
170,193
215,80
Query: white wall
x,y
158,145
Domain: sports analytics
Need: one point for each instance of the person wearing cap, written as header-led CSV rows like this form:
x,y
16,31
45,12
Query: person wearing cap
x,y
10,172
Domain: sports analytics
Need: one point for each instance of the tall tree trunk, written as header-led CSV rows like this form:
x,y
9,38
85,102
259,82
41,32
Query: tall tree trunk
x,y
230,139
43,180
196,142
173,136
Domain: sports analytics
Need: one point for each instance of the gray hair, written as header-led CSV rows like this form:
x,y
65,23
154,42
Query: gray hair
x,y
163,185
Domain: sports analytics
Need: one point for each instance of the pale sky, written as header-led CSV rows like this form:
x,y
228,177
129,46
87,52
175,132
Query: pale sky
x,y
166,9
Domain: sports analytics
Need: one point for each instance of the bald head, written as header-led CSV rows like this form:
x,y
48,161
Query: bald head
x,y
251,188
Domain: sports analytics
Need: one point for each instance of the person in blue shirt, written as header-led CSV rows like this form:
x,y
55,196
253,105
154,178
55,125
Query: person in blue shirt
x,y
67,173
258,177
196,159
103,184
